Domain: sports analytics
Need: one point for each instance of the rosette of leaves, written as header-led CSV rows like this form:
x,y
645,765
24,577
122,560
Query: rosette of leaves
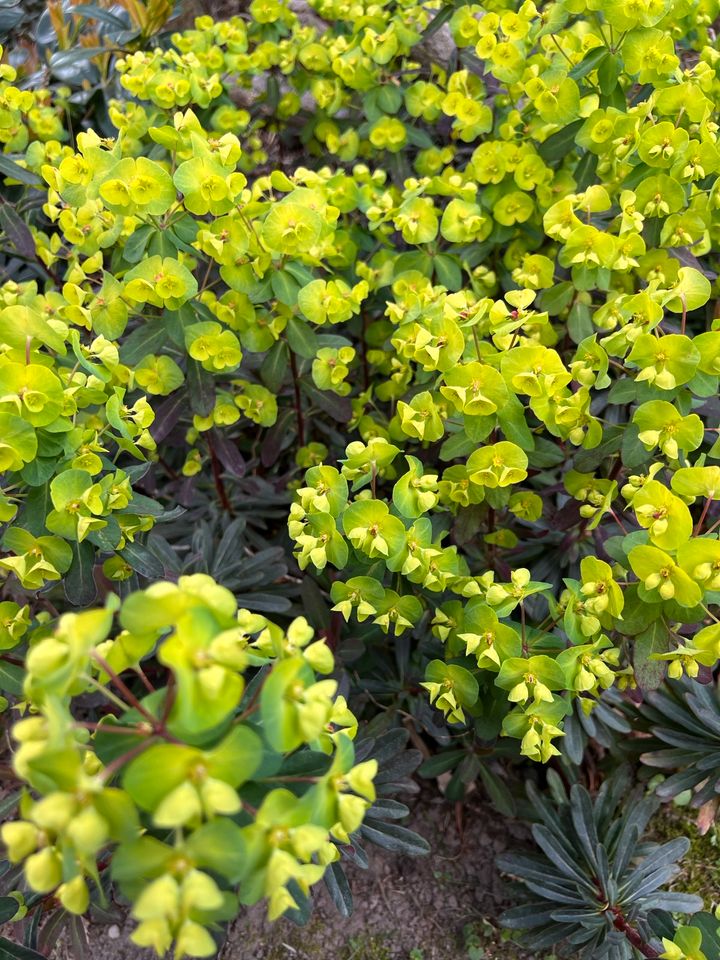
x,y
593,885
683,720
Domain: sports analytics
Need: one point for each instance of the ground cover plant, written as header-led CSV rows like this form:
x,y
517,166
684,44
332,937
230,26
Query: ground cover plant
x,y
358,374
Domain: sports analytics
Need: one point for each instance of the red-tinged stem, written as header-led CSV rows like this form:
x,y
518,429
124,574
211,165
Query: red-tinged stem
x,y
119,762
683,300
618,521
698,525
170,694
123,688
158,726
144,678
632,935
139,731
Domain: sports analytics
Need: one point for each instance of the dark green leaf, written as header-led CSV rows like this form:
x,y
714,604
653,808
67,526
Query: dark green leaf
x,y
285,287
201,388
585,170
8,908
149,337
301,338
274,366
339,889
136,243
556,298
8,168
16,231
79,582
591,61
143,561
338,408
655,639
91,12
63,59
394,838
14,951
557,146
437,21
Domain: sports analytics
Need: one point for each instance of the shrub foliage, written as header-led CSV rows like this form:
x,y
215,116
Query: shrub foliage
x,y
433,283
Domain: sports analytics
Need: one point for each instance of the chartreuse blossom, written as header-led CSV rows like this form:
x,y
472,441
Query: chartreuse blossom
x,y
493,292
83,807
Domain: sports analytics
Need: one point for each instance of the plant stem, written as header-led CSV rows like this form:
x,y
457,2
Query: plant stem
x,y
112,768
632,935
698,525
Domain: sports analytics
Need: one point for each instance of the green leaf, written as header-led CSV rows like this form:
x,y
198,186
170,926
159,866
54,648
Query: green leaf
x,y
11,678
557,146
591,61
437,22
8,908
8,168
556,298
498,792
441,763
274,366
585,174
63,59
339,889
143,561
285,287
394,838
580,325
655,639
91,12
201,388
448,272
79,582
137,243
513,424
149,337
14,951
16,231
301,338
587,461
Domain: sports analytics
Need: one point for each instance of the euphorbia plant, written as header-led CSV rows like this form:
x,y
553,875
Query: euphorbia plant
x,y
193,785
469,331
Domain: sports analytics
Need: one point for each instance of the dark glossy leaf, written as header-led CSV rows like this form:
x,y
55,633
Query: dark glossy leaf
x,y
301,338
655,639
79,582
339,408
14,951
16,231
8,168
394,838
274,366
136,243
227,452
142,560
201,388
147,338
557,146
591,61
339,889
437,22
